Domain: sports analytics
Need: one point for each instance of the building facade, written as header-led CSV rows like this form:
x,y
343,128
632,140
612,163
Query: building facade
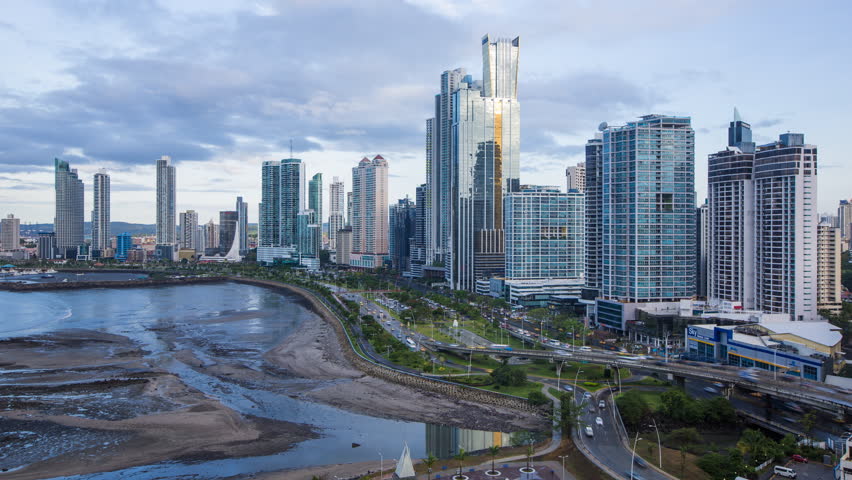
x,y
123,244
10,233
68,222
189,230
785,227
344,246
283,197
844,220
594,228
227,229
336,215
47,245
241,208
403,225
166,205
575,178
269,219
647,205
101,236
315,206
485,164
369,214
702,245
828,269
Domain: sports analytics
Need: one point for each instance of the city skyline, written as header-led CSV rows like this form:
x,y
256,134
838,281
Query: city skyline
x,y
334,131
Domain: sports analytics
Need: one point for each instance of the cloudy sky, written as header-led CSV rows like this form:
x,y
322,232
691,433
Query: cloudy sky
x,y
221,86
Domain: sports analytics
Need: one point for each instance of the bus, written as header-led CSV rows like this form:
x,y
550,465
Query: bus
x,y
500,346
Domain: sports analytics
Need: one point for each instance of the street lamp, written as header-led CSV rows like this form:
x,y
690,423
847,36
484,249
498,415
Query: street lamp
x,y
659,444
575,385
633,456
563,465
382,464
559,372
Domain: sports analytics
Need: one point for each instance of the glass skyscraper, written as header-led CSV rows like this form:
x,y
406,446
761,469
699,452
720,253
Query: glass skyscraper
x,y
403,225
647,215
282,199
485,164
242,213
68,223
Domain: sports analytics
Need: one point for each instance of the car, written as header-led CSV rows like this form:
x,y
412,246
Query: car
x,y
599,421
639,462
718,385
601,404
587,395
799,458
589,431
591,409
568,388
710,390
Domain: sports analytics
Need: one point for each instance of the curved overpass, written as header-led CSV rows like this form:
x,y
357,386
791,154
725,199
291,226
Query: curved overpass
x,y
833,402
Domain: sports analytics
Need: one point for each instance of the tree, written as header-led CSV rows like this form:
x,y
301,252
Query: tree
x,y
506,375
460,457
493,450
530,452
429,461
721,467
807,422
569,414
684,437
682,460
633,407
536,398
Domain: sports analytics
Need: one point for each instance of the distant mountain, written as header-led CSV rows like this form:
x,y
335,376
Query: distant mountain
x,y
115,228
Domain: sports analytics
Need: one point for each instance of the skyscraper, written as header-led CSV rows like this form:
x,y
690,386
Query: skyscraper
x,y
828,269
730,197
46,245
10,233
212,237
227,230
315,206
189,230
403,220
101,238
702,245
844,220
335,211
242,214
123,244
420,248
68,223
348,209
369,214
282,199
594,226
166,226
576,177
785,227
647,206
269,222
485,164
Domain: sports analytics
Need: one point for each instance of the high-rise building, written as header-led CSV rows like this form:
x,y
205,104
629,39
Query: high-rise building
x,y
344,245
844,220
282,199
166,206
828,269
227,230
348,209
189,230
101,237
46,245
309,234
68,223
427,200
212,237
647,208
545,233
575,177
403,220
315,206
594,228
730,199
702,244
123,244
201,238
485,164
420,248
10,233
335,211
242,215
369,214
269,220
785,227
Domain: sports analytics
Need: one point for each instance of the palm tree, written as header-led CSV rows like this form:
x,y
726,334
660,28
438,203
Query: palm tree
x,y
530,452
460,458
429,461
493,450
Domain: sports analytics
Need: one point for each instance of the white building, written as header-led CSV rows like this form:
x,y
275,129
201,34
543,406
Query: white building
x,y
828,269
189,230
101,237
10,233
166,225
335,211
369,215
576,177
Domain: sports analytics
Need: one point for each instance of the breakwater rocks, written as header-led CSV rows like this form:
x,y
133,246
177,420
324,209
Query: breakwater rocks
x,y
136,283
451,390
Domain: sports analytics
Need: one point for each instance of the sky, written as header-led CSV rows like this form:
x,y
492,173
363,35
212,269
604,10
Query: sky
x,y
221,86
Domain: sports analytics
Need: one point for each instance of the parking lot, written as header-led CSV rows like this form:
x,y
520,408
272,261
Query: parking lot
x,y
809,471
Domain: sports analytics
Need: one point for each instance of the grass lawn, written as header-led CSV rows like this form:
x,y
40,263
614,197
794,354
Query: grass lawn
x,y
651,398
522,391
650,381
672,460
479,361
569,371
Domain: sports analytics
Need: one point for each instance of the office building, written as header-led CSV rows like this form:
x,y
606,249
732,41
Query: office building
x,y
101,236
369,214
123,244
242,217
336,216
166,225
348,209
315,207
828,269
427,199
702,244
47,245
844,220
10,233
269,219
403,220
309,233
136,255
545,243
419,249
485,164
647,206
227,230
785,227
211,247
68,223
189,230
575,177
283,198
594,228
344,246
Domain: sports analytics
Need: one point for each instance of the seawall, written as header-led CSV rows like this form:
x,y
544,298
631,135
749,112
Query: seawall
x,y
144,282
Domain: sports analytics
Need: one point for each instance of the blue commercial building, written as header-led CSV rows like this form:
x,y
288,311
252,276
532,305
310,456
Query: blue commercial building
x,y
123,243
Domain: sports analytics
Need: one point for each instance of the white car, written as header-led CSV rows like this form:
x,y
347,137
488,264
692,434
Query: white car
x,y
599,421
587,395
589,432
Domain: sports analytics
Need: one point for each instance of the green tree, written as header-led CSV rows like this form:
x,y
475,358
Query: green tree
x,y
569,413
682,459
536,398
722,467
460,457
807,422
429,461
684,436
530,452
493,450
633,407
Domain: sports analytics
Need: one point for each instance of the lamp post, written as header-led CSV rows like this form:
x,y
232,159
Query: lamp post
x,y
382,464
559,372
563,465
575,389
633,456
659,444
667,346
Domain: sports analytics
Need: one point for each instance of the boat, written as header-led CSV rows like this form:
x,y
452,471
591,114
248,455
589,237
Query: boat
x,y
47,275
